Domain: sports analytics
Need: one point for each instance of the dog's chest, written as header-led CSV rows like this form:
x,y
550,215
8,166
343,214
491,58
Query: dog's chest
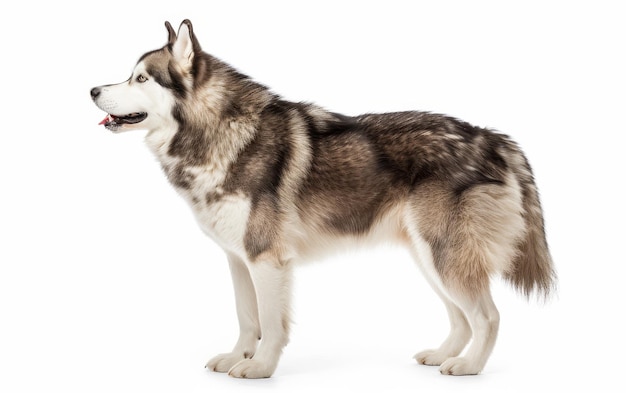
x,y
221,215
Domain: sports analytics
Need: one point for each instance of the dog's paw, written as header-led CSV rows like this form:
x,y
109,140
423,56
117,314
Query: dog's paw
x,y
459,366
431,357
251,368
225,361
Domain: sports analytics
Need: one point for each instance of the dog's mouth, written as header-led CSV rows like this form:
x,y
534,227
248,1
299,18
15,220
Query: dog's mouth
x,y
113,122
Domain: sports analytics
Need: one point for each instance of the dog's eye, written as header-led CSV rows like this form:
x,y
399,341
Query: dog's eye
x,y
141,78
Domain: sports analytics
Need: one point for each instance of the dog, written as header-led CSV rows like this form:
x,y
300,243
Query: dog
x,y
274,183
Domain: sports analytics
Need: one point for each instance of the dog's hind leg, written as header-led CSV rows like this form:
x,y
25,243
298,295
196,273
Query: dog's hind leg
x,y
467,238
272,282
457,268
247,313
470,307
473,315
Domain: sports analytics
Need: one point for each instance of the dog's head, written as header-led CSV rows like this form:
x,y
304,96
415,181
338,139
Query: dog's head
x,y
146,99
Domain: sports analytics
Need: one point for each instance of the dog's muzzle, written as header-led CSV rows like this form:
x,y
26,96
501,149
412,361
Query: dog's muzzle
x,y
112,121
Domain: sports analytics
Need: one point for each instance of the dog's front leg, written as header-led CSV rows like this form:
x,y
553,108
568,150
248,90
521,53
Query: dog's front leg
x,y
247,313
272,282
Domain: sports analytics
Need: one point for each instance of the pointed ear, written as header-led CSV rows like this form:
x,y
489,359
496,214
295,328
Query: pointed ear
x,y
171,34
186,45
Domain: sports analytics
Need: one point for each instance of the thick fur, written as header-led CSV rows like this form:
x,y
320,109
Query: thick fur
x,y
275,182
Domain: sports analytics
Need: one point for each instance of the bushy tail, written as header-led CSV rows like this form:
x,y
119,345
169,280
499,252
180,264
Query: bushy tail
x,y
533,270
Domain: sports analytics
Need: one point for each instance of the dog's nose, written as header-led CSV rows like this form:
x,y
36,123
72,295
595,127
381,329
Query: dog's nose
x,y
95,92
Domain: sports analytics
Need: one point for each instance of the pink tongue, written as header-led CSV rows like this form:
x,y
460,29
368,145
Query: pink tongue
x,y
104,121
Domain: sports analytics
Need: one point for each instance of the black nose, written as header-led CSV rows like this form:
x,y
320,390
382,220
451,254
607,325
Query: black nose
x,y
95,92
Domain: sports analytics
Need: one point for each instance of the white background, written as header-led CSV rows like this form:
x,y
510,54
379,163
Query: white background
x,y
107,284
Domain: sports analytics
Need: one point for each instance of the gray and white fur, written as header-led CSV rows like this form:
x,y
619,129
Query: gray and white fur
x,y
275,183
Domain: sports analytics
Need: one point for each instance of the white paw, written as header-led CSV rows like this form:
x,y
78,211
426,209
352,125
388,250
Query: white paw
x,y
431,357
250,368
459,366
225,361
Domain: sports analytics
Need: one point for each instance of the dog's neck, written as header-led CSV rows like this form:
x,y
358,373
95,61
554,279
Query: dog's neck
x,y
195,136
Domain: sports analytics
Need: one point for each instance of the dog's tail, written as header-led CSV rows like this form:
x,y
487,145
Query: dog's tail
x,y
532,269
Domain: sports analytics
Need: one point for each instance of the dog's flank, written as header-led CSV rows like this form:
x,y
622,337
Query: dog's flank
x,y
275,182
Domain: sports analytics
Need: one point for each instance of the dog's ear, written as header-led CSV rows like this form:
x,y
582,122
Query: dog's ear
x,y
171,34
185,45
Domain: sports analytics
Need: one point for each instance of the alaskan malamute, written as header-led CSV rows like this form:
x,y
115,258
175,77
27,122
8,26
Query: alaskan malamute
x,y
276,182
